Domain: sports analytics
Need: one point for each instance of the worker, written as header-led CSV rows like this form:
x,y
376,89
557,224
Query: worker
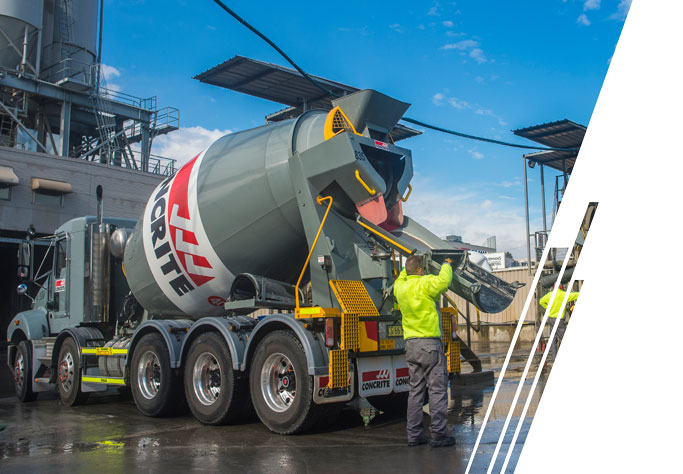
x,y
553,314
417,294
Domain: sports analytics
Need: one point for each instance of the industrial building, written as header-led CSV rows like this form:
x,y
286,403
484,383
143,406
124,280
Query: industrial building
x,y
63,132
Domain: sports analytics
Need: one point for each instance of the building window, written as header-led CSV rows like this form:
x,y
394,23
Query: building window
x,y
49,192
48,198
7,180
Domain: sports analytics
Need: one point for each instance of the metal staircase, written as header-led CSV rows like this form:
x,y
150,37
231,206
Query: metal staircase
x,y
113,143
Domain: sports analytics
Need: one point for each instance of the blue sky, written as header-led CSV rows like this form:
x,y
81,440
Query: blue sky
x,y
481,67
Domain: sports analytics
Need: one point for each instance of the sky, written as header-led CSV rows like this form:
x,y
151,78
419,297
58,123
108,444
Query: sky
x,y
480,67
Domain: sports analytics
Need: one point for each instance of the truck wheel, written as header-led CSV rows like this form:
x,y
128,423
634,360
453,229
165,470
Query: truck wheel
x,y
281,389
391,404
157,390
215,392
22,368
69,374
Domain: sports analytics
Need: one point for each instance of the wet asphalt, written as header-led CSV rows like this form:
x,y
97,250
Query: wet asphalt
x,y
108,434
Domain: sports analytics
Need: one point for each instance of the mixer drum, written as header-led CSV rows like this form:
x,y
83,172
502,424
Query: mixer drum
x,y
230,210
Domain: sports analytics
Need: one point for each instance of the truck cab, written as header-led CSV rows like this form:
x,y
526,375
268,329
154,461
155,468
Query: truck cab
x,y
77,285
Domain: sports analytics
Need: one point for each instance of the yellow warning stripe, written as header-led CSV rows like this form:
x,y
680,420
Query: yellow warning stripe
x,y
107,380
103,351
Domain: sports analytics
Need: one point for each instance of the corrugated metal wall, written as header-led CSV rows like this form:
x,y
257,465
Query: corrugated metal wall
x,y
513,312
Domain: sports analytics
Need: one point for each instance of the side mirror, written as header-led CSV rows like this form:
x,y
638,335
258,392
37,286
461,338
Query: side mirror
x,y
21,291
24,260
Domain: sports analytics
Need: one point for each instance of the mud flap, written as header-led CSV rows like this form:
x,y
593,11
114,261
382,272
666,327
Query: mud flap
x,y
375,376
323,394
401,374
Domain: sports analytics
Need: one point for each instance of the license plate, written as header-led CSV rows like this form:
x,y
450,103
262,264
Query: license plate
x,y
395,331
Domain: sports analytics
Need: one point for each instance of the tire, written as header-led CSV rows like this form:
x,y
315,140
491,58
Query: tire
x,y
215,392
278,364
391,404
157,389
22,367
69,374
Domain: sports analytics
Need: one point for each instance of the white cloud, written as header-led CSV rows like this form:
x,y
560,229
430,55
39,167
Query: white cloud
x,y
475,52
396,27
475,154
471,213
459,104
447,23
420,26
461,45
583,20
491,113
434,11
591,5
478,55
109,72
622,10
438,98
509,184
185,143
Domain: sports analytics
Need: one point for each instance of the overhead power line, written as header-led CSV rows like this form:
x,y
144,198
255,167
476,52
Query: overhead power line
x,y
405,119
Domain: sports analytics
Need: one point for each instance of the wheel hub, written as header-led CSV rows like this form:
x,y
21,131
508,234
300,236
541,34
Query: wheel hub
x,y
206,379
149,375
65,371
19,369
278,382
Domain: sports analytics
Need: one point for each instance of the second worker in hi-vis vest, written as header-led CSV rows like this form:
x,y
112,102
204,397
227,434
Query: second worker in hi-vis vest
x,y
417,294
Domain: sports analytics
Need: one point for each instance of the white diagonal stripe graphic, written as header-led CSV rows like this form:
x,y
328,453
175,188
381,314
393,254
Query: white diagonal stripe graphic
x,y
520,323
536,377
520,386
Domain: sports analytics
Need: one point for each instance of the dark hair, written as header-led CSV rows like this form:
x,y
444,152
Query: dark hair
x,y
413,264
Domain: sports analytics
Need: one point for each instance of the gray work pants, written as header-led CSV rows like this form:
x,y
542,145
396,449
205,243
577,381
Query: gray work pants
x,y
559,334
427,366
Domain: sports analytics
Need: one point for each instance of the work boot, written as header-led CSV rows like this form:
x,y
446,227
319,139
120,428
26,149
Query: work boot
x,y
442,442
423,439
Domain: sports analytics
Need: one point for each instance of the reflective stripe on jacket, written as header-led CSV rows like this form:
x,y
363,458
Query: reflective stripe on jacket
x,y
416,296
557,302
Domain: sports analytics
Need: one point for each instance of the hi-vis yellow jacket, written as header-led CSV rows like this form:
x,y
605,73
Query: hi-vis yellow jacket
x,y
557,302
416,297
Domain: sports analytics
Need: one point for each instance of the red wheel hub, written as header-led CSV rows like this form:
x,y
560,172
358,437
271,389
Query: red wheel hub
x,y
17,371
63,371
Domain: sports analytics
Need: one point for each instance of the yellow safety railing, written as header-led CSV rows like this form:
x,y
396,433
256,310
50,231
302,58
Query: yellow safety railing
x,y
385,238
370,190
410,190
320,201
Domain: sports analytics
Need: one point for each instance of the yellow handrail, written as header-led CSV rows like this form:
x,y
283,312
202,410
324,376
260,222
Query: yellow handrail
x,y
320,201
410,190
370,191
394,263
384,237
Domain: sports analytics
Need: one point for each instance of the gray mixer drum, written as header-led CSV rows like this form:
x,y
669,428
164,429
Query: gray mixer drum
x,y
230,210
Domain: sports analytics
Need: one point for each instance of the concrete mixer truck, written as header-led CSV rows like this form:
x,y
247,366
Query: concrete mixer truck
x,y
299,223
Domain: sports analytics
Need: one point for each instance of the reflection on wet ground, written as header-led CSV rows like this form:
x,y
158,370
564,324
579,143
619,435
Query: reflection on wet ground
x,y
109,434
